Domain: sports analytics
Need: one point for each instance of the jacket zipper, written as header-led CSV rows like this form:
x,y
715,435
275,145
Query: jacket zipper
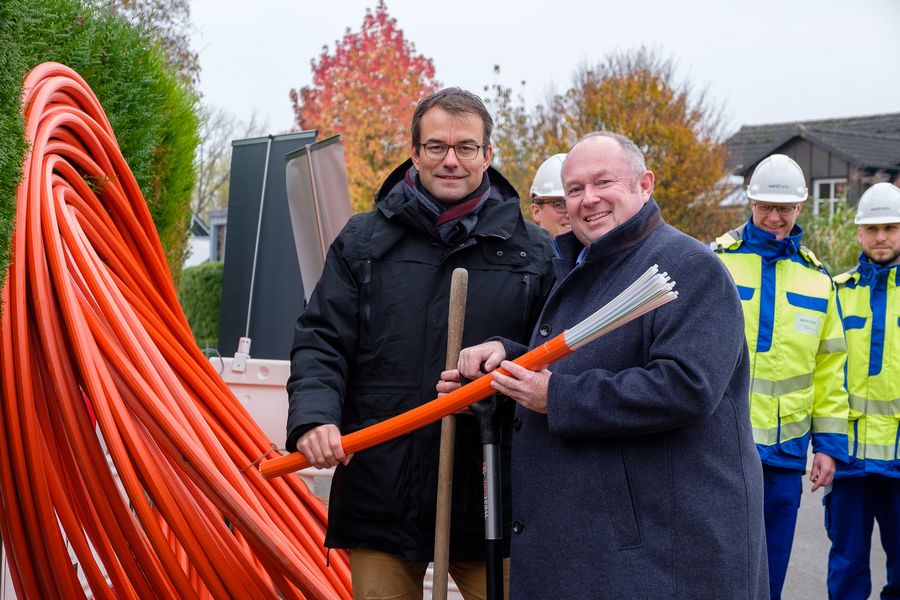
x,y
366,304
526,305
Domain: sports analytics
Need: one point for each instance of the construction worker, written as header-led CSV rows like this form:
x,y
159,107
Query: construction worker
x,y
868,486
797,350
548,201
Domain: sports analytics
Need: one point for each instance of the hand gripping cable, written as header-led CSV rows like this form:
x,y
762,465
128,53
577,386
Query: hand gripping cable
x,y
650,291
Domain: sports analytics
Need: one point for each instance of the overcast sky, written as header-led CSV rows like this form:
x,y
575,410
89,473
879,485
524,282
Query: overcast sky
x,y
764,61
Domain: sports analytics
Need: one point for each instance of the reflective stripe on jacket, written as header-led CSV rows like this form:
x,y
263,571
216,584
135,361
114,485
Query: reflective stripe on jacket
x,y
797,353
871,311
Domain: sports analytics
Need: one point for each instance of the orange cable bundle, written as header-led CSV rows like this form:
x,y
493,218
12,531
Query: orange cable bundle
x,y
122,449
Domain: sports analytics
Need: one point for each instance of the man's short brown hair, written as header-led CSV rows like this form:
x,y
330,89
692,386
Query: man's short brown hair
x,y
455,101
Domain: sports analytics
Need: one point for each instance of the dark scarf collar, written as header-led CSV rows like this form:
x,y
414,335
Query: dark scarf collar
x,y
870,273
454,222
767,247
623,237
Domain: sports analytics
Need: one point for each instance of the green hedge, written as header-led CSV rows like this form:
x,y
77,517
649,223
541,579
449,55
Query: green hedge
x,y
12,140
200,294
152,113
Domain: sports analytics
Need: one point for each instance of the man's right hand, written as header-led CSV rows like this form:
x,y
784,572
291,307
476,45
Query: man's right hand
x,y
481,359
322,447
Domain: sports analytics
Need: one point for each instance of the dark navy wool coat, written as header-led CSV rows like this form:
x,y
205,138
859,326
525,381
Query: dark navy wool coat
x,y
642,481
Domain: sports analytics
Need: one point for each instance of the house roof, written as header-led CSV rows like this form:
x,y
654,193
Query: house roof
x,y
872,141
198,228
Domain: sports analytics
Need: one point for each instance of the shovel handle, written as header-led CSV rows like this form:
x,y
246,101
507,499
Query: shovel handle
x,y
459,284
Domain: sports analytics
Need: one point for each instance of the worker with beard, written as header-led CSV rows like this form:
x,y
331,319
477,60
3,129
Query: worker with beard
x,y
867,488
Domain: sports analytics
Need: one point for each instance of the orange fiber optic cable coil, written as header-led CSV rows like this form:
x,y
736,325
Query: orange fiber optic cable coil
x,y
122,449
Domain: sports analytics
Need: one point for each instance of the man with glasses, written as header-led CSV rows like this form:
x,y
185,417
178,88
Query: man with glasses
x,y
548,201
371,344
797,351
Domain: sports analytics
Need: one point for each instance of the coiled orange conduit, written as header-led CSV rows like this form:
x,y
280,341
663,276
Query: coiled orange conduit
x,y
97,361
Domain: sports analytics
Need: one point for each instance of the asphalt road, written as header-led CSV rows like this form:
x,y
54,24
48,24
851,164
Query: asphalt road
x,y
809,559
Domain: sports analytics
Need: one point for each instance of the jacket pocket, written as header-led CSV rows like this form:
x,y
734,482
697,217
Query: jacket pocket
x,y
374,485
853,420
617,499
807,315
854,322
807,302
745,293
794,425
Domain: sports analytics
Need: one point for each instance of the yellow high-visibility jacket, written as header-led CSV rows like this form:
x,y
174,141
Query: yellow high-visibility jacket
x,y
870,300
797,348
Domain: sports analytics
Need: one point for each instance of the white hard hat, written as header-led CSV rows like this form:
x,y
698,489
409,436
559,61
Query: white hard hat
x,y
548,179
777,179
879,204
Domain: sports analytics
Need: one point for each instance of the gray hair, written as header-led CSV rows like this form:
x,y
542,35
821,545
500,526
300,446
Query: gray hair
x,y
632,151
455,101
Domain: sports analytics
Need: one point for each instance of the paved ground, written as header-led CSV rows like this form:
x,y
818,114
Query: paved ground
x,y
809,559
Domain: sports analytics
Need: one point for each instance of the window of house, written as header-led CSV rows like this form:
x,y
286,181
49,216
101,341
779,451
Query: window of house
x,y
826,192
218,248
218,221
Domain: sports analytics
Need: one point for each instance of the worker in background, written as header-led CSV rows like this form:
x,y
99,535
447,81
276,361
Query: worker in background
x,y
797,350
868,486
372,343
634,471
548,202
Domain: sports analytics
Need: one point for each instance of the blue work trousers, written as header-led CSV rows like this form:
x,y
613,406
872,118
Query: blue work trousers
x,y
781,495
850,511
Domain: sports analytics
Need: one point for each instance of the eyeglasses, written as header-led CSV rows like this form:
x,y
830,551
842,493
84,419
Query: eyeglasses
x,y
782,209
436,151
557,205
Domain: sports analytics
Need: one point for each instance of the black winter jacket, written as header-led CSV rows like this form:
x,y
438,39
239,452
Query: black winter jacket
x,y
372,344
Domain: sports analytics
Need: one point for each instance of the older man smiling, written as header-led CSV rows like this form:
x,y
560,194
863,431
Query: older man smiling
x,y
634,473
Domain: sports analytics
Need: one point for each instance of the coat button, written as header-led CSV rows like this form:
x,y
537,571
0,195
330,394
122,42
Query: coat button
x,y
518,526
499,252
517,424
523,254
545,329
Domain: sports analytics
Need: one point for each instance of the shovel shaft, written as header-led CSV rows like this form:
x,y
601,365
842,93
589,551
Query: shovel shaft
x,y
455,321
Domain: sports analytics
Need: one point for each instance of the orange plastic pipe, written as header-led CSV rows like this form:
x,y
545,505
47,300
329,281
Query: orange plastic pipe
x,y
119,442
425,414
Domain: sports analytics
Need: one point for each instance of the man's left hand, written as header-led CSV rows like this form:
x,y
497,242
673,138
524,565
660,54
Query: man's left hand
x,y
528,388
822,472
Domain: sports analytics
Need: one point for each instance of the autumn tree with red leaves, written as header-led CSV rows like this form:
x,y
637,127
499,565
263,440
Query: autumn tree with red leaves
x,y
635,93
366,89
